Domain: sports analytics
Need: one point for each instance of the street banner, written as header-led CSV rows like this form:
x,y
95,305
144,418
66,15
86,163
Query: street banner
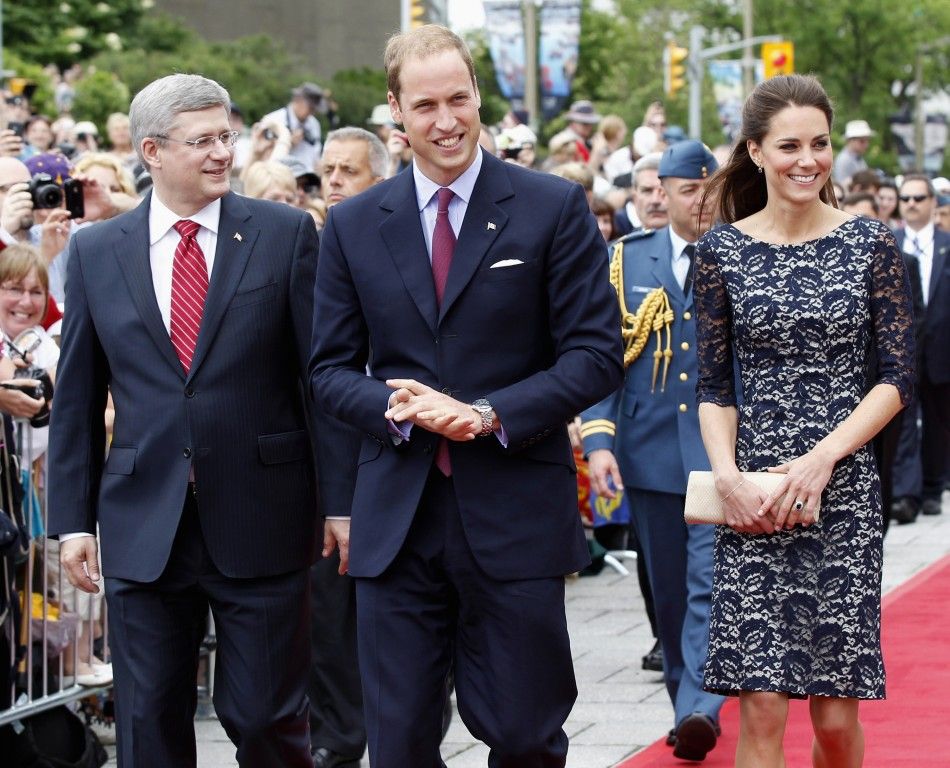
x,y
505,30
560,25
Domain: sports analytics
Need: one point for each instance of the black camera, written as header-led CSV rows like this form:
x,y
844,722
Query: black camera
x,y
40,389
17,128
46,193
32,381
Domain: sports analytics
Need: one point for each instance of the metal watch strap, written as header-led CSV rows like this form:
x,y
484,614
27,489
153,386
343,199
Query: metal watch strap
x,y
485,410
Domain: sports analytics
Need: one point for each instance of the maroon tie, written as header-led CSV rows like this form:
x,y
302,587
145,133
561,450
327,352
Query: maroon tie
x,y
189,288
443,246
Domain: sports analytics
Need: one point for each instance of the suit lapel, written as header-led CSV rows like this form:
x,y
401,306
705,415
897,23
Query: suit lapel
x,y
236,238
402,233
133,256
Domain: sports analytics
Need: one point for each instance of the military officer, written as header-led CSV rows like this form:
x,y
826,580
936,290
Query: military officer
x,y
645,437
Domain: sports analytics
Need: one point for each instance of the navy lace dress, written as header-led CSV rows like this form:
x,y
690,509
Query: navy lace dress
x,y
799,611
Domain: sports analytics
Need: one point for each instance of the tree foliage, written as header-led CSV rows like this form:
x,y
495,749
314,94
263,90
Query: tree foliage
x,y
63,32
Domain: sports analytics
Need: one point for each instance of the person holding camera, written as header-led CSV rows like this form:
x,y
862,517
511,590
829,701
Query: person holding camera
x,y
299,117
16,202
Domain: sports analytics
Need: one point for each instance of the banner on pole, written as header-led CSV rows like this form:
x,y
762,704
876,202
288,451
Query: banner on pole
x,y
560,24
505,31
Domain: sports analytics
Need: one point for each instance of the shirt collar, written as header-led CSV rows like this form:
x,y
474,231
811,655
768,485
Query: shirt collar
x,y
161,218
678,244
924,235
462,186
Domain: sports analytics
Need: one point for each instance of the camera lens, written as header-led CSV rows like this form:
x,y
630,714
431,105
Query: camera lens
x,y
49,196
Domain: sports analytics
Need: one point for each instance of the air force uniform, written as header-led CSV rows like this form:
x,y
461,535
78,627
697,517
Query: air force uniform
x,y
652,427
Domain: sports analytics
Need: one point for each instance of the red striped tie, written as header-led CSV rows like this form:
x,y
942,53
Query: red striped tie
x,y
189,288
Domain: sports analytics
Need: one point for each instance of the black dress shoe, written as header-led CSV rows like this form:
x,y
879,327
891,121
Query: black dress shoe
x,y
904,510
695,736
653,661
931,507
327,758
671,738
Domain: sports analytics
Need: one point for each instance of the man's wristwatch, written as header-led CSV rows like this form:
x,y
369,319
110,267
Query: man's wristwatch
x,y
484,409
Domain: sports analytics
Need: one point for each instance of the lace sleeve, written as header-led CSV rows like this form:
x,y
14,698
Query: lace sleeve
x,y
716,383
893,316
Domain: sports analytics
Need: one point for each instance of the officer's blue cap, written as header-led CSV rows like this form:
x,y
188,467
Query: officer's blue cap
x,y
687,160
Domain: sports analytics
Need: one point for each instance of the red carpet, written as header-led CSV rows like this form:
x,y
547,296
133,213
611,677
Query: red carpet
x,y
911,727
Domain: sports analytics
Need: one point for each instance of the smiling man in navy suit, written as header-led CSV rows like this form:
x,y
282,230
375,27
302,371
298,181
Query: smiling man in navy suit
x,y
474,291
194,312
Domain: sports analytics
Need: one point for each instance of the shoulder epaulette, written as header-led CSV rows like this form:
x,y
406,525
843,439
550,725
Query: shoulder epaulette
x,y
637,234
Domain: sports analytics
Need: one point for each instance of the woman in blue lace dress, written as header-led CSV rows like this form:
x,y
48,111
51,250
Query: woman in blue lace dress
x,y
800,297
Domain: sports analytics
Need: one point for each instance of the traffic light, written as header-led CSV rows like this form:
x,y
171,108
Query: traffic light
x,y
674,68
417,13
778,58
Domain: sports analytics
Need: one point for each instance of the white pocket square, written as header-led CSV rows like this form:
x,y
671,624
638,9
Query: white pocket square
x,y
506,263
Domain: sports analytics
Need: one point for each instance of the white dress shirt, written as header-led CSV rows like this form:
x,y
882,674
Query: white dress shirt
x,y
427,197
680,262
163,239
924,252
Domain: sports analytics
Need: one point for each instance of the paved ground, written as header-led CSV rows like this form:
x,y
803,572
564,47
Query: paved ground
x,y
620,708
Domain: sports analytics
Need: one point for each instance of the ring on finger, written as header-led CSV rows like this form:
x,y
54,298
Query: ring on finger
x,y
799,505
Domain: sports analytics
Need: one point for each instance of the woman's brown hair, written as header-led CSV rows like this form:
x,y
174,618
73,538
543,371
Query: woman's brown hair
x,y
739,188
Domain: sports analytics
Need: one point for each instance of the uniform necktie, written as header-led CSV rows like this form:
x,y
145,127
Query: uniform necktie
x,y
688,252
189,289
443,246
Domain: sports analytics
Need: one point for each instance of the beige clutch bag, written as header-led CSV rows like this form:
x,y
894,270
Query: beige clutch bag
x,y
702,500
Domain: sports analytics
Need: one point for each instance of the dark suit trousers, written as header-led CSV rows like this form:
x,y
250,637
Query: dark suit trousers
x,y
935,435
336,700
263,655
434,608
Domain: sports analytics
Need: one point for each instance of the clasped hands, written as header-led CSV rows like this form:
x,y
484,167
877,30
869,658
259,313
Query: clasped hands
x,y
432,410
749,509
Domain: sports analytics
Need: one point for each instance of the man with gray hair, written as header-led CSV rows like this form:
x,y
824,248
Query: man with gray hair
x,y
208,497
353,160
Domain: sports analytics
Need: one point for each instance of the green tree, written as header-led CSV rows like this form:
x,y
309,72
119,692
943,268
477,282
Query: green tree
x,y
63,32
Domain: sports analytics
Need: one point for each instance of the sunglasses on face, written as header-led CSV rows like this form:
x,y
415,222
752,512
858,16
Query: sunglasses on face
x,y
915,198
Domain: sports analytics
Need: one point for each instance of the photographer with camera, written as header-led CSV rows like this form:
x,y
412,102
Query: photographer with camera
x,y
270,140
62,201
16,203
299,117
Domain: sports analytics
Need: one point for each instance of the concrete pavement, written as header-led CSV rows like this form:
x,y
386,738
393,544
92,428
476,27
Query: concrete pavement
x,y
620,708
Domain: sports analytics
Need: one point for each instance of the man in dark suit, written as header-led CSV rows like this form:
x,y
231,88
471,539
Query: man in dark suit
x,y
930,246
474,291
645,438
194,312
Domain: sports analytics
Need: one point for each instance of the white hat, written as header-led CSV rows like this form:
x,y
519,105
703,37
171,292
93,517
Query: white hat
x,y
381,115
857,129
644,140
85,126
942,185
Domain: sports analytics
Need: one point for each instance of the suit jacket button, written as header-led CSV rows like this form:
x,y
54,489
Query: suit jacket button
x,y
427,449
446,391
186,453
189,392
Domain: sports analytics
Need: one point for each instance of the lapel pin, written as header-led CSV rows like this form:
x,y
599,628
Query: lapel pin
x,y
237,236
491,225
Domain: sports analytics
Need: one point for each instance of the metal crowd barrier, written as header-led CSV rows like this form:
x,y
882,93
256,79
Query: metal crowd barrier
x,y
50,630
